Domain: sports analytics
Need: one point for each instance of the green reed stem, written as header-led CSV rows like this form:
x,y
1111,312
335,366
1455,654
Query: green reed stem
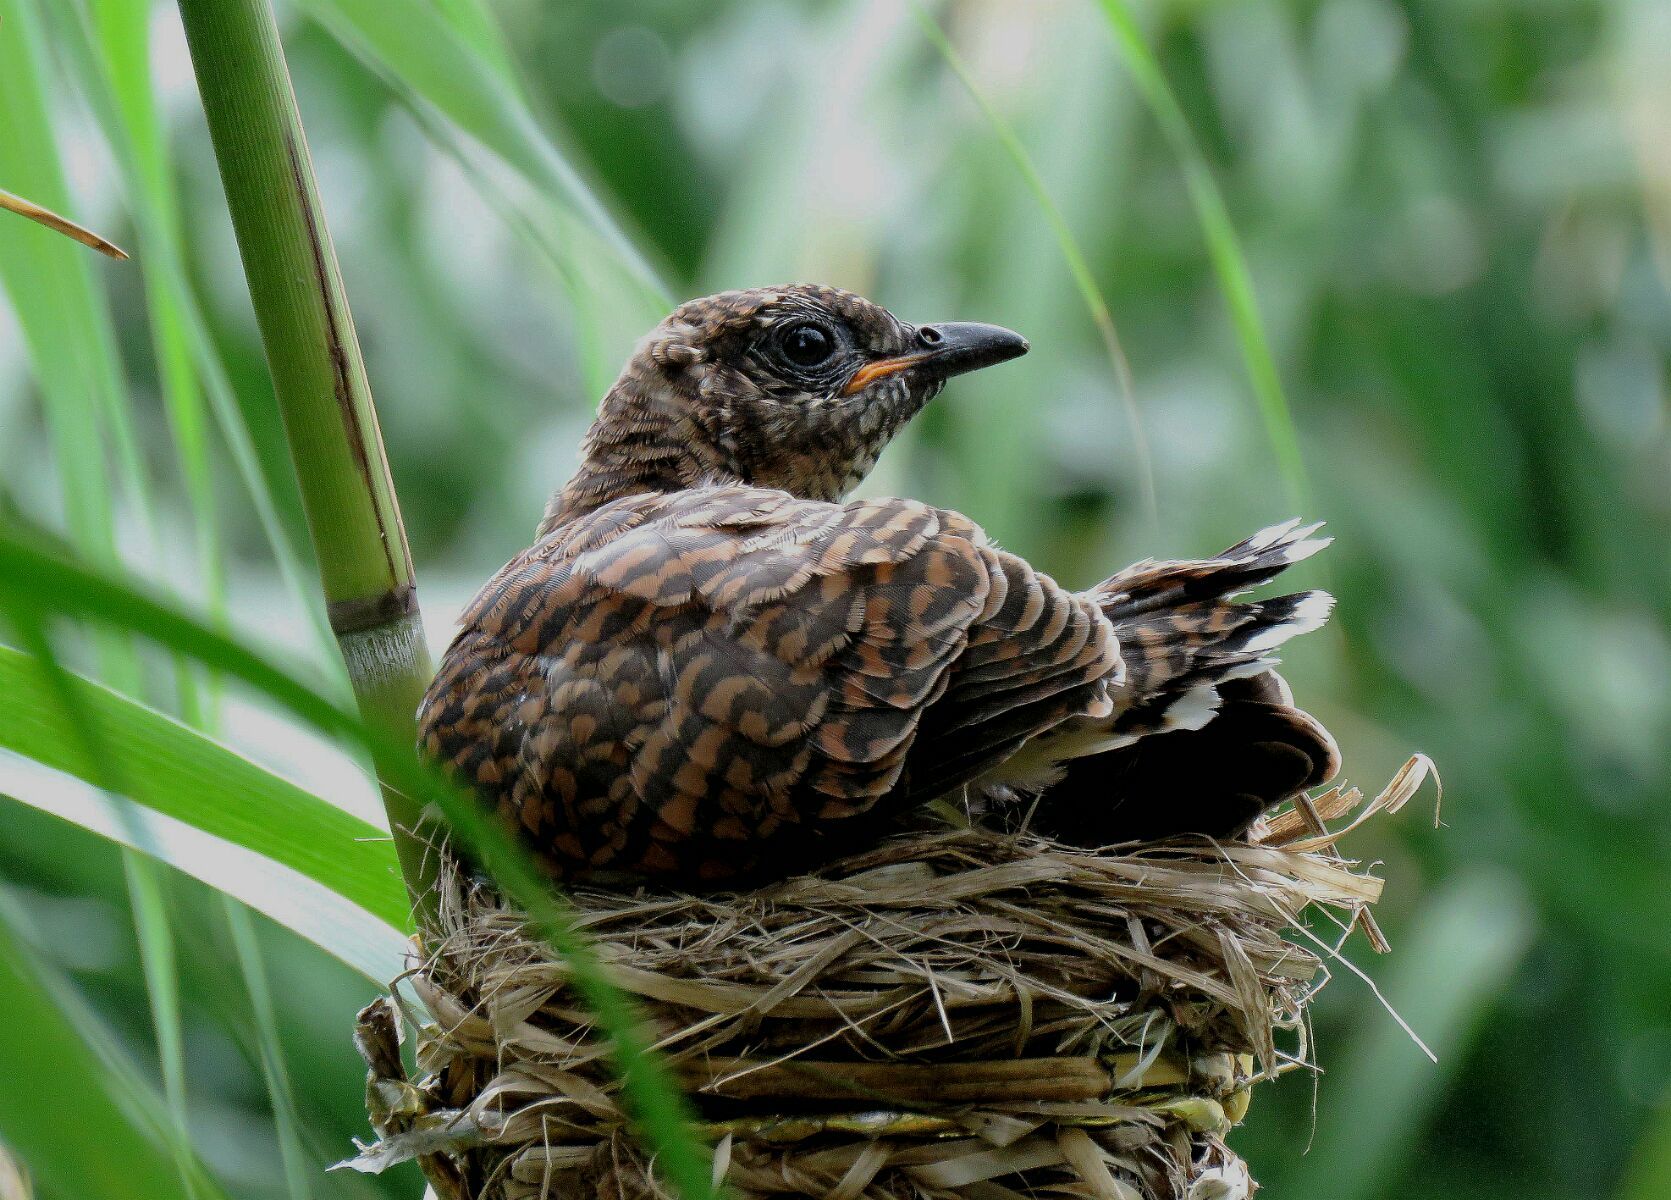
x,y
319,378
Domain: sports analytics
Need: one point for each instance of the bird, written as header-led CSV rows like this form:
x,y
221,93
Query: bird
x,y
712,667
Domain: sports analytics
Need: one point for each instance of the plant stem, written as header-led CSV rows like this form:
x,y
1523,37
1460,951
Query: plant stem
x,y
63,225
319,379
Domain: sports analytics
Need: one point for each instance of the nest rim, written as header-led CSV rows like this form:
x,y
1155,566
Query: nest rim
x,y
950,1013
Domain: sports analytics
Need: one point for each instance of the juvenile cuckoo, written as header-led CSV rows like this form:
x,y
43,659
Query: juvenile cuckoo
x,y
710,666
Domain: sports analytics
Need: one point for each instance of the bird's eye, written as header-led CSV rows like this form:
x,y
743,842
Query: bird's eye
x,y
807,344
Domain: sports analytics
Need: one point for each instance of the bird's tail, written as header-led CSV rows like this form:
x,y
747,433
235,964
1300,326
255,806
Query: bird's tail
x,y
1182,635
1201,714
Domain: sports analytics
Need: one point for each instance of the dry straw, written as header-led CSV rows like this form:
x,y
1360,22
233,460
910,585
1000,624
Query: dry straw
x,y
958,1013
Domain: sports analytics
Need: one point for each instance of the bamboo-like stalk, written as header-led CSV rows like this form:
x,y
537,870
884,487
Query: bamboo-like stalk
x,y
319,378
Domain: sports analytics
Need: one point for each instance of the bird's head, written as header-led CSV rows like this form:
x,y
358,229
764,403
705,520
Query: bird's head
x,y
797,387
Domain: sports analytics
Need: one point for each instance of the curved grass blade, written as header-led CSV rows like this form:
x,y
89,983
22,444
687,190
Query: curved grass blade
x,y
427,58
66,323
146,889
273,1072
1072,255
180,773
146,900
32,580
110,43
1223,246
205,802
314,913
75,1107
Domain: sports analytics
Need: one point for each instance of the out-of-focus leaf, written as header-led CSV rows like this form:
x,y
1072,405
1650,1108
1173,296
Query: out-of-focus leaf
x,y
1222,244
160,965
107,44
115,37
109,47
654,1097
65,322
476,26
1442,979
344,930
182,774
74,1107
437,65
1067,243
1649,1177
274,1073
145,884
72,344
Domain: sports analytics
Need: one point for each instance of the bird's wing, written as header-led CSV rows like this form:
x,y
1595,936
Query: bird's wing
x,y
1205,735
671,683
1036,657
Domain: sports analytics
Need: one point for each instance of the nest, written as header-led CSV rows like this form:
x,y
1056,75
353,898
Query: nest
x,y
957,1013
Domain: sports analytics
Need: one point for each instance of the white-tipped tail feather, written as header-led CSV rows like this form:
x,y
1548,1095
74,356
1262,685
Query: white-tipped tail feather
x,y
1183,636
1309,611
1200,712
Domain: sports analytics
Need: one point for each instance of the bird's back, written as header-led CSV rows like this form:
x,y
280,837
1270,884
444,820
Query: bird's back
x,y
691,684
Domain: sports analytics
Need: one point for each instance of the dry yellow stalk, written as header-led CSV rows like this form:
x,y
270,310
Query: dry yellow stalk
x,y
45,216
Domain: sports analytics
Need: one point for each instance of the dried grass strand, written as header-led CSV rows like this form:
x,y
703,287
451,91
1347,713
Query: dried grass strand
x,y
956,1013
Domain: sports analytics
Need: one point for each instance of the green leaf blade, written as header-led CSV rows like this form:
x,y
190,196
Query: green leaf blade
x,y
74,1106
1223,246
182,774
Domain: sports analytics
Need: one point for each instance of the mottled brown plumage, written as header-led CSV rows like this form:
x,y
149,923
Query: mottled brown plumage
x,y
708,665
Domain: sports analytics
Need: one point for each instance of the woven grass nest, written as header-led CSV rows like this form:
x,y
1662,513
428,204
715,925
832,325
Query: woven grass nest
x,y
957,1013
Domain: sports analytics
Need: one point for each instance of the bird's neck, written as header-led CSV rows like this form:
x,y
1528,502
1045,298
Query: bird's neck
x,y
651,438
638,444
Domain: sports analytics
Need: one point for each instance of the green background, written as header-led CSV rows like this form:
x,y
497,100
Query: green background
x,y
1456,219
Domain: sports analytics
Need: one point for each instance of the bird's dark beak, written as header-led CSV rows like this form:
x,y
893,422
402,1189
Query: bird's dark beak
x,y
942,351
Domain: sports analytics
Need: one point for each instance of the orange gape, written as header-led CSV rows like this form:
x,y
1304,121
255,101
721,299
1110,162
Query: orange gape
x,y
881,369
709,666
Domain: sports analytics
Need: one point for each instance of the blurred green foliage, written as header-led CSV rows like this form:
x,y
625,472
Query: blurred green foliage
x,y
1457,220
